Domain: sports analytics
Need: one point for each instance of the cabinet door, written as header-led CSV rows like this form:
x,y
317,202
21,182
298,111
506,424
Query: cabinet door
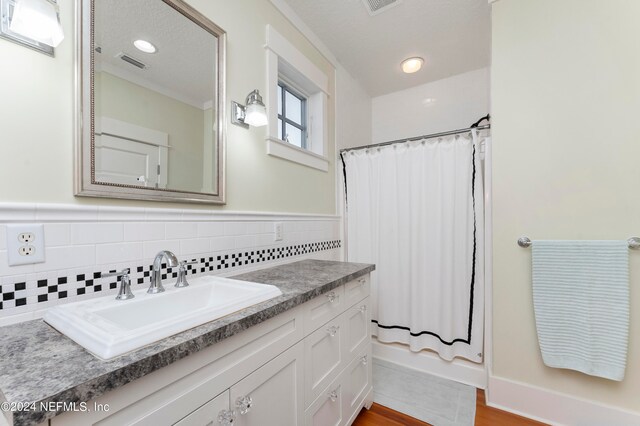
x,y
327,410
324,358
357,322
213,413
321,309
357,382
273,394
356,290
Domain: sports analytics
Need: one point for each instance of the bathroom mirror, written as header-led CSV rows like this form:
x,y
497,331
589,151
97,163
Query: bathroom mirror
x,y
151,79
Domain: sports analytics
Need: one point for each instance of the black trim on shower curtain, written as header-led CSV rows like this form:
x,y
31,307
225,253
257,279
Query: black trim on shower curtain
x,y
473,275
344,174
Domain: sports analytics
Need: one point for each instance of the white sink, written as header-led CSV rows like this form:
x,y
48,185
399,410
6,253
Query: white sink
x,y
109,328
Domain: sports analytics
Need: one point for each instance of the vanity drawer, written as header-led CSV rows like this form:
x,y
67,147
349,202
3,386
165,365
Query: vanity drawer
x,y
323,308
324,358
327,409
356,290
357,320
356,383
208,413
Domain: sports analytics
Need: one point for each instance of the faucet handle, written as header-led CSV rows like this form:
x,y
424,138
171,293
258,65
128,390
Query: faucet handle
x,y
182,273
124,293
122,273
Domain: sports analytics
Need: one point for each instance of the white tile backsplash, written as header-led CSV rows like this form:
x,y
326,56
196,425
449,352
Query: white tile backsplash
x,y
222,243
151,248
96,233
81,241
119,252
235,228
3,237
144,231
57,234
181,230
195,246
210,229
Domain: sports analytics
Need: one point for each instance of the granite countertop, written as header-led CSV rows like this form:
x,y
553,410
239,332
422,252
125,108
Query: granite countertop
x,y
40,365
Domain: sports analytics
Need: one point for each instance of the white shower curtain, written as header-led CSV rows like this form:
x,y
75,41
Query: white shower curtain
x,y
416,211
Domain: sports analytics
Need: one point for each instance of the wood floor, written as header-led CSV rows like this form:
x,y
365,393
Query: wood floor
x,y
485,416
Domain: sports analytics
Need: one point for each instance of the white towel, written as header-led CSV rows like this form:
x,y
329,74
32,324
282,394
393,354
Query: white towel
x,y
581,302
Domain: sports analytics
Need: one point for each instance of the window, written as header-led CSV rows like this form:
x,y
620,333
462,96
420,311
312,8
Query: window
x,y
297,105
292,116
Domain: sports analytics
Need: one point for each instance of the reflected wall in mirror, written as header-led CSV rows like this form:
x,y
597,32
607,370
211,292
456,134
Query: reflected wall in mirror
x,y
152,92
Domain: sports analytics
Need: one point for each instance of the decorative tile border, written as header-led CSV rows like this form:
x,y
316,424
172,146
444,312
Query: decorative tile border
x,y
24,294
48,212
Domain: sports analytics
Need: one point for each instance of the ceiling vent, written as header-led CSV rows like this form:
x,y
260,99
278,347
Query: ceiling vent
x,y
375,7
130,60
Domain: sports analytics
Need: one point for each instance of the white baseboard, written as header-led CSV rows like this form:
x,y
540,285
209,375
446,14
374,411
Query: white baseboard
x,y
458,370
554,408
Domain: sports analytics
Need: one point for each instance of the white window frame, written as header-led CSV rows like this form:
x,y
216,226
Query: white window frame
x,y
285,62
288,87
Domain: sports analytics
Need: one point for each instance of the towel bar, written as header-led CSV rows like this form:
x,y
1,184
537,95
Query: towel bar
x,y
634,242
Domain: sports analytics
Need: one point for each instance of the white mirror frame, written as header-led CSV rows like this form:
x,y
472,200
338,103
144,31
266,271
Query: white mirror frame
x,y
85,184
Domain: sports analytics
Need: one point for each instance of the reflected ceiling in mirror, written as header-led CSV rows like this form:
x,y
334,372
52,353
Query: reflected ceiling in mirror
x,y
153,85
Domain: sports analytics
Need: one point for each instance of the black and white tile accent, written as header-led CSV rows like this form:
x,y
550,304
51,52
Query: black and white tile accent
x,y
57,288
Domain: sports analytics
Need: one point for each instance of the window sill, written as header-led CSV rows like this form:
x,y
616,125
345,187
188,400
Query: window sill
x,y
278,148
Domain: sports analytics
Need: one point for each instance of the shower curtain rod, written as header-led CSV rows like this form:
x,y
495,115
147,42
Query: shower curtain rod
x,y
431,136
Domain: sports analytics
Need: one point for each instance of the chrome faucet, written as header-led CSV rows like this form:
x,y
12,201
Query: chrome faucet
x,y
156,273
124,293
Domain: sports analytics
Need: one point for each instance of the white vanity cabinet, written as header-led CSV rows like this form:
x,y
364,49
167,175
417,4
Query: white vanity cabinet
x,y
309,365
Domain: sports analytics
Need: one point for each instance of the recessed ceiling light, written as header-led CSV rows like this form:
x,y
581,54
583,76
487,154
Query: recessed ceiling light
x,y
412,65
145,46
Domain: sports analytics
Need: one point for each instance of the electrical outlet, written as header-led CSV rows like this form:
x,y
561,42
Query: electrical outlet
x,y
26,250
25,244
277,230
26,237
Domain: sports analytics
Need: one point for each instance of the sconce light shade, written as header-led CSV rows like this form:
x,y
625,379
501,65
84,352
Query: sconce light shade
x,y
38,20
254,114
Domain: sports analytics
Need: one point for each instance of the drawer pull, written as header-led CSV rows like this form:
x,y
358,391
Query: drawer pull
x,y
226,417
362,281
333,330
363,308
363,360
244,403
332,296
333,395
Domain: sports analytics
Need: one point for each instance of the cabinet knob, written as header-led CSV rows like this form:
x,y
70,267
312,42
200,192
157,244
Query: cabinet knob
x,y
226,417
333,395
333,330
243,404
363,308
363,360
362,281
332,296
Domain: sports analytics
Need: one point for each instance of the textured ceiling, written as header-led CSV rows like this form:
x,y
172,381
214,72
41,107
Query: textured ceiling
x,y
183,66
453,36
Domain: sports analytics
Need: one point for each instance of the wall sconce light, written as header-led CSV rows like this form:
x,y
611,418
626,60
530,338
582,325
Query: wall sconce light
x,y
32,23
254,114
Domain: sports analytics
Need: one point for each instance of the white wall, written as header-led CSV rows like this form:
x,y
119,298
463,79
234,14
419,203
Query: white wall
x,y
566,143
37,130
452,103
353,111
